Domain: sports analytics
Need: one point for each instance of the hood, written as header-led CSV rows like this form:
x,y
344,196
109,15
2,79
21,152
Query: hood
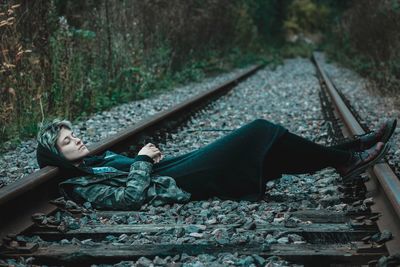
x,y
45,157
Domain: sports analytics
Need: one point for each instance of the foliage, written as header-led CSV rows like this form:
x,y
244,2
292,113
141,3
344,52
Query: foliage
x,y
298,49
21,80
71,58
305,16
366,38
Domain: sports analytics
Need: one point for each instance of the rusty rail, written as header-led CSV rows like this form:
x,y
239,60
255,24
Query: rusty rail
x,y
29,195
384,185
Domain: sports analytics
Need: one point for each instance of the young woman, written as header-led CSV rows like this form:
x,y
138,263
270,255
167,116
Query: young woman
x,y
236,166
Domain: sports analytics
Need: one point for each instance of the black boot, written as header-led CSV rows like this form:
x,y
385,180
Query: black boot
x,y
365,141
361,160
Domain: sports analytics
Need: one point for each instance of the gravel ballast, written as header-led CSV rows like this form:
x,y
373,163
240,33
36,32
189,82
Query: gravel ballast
x,y
287,95
372,107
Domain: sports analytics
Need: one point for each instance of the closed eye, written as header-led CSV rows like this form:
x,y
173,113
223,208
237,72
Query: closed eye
x,y
66,140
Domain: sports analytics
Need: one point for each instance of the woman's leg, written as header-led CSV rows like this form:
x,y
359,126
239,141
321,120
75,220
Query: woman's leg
x,y
348,145
382,134
293,154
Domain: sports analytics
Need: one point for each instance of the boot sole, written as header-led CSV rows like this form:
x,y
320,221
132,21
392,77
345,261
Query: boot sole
x,y
389,131
362,168
389,134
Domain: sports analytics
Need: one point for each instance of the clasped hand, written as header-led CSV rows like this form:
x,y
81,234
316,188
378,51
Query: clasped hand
x,y
152,151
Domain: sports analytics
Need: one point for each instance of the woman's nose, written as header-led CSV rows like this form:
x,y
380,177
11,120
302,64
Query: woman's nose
x,y
78,140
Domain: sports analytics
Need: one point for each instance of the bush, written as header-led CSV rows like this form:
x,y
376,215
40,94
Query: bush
x,y
71,58
305,17
366,38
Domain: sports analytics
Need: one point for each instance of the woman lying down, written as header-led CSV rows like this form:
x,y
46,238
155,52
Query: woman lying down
x,y
236,166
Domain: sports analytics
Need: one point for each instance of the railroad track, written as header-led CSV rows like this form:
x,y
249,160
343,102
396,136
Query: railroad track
x,y
340,238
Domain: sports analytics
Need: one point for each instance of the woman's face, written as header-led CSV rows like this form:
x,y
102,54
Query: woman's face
x,y
71,146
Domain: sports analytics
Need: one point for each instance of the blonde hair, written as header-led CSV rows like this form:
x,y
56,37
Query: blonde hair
x,y
49,133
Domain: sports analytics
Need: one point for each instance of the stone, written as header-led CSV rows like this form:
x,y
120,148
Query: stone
x,y
283,240
294,237
197,235
195,228
260,261
270,184
159,261
291,223
144,262
246,261
330,201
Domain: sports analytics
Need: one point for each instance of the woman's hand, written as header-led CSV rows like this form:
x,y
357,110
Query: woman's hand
x,y
152,151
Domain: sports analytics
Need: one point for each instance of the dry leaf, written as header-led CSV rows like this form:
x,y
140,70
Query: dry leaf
x,y
8,65
11,91
37,97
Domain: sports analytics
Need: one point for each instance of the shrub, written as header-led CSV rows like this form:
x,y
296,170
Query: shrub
x,y
367,39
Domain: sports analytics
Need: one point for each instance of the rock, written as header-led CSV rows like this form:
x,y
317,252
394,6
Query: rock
x,y
65,242
368,201
270,184
87,242
330,201
277,196
205,205
250,225
179,232
246,261
382,262
205,213
260,261
294,237
266,247
195,228
279,219
283,240
176,258
198,235
222,241
211,221
291,223
144,262
122,238
382,237
110,238
270,240
325,181
330,190
13,169
185,257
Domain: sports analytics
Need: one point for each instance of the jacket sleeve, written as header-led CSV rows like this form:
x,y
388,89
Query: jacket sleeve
x,y
128,197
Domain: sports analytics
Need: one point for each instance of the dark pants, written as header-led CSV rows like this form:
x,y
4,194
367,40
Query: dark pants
x,y
293,154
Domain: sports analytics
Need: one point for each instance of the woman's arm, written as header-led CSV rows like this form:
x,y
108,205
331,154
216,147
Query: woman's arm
x,y
152,151
129,197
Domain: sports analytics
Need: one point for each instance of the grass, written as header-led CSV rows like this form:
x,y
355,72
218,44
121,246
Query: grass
x,y
138,83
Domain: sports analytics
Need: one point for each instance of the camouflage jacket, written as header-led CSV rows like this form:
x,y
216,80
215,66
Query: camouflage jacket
x,y
108,188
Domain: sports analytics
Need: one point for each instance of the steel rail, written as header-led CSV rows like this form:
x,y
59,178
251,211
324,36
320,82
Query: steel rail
x,y
384,185
30,194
